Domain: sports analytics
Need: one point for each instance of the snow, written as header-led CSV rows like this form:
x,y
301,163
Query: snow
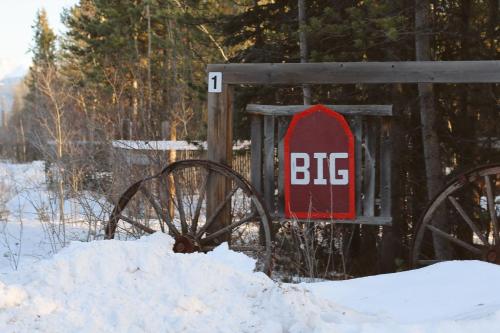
x,y
142,286
171,145
449,291
29,230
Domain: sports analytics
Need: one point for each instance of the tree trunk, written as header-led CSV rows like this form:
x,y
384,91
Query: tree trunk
x,y
150,93
428,121
23,141
60,181
306,89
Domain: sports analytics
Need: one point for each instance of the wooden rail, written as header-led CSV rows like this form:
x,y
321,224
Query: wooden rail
x,y
360,72
348,110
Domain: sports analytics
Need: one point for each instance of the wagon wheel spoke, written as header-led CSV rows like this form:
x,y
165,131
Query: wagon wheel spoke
x,y
228,228
476,233
199,204
492,208
137,224
219,208
156,208
163,215
468,220
176,201
452,239
180,204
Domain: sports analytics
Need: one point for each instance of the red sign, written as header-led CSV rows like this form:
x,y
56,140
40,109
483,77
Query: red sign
x,y
319,166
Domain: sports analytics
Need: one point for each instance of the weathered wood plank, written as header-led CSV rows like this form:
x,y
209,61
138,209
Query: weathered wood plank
x,y
220,126
360,72
348,110
268,178
256,153
283,123
385,167
357,128
369,176
370,220
220,144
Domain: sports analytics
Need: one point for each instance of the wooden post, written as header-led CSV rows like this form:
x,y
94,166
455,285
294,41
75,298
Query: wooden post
x,y
220,126
256,153
269,142
369,168
385,168
126,129
220,149
283,123
358,150
165,130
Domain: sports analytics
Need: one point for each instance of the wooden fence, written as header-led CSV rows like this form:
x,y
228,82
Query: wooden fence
x,y
133,160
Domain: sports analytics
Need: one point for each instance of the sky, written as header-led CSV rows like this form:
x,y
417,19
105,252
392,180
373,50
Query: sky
x,y
16,20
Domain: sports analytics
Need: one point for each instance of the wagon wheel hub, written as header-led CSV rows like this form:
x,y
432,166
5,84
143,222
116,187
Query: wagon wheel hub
x,y
184,244
492,254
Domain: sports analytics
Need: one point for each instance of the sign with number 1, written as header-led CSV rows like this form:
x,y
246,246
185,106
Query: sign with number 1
x,y
215,82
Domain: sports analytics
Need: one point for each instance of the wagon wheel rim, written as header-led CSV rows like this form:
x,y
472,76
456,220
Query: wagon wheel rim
x,y
178,197
475,230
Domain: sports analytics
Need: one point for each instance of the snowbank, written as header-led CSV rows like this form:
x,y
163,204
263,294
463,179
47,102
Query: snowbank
x,y
142,286
171,145
455,296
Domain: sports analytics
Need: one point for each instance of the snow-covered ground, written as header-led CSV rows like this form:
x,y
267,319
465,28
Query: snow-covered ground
x,y
142,286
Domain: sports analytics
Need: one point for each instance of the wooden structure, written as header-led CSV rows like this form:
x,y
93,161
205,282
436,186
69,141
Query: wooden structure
x,y
220,184
220,104
370,125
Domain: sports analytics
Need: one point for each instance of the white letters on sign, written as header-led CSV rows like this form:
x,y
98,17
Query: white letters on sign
x,y
319,180
344,174
304,169
215,82
337,177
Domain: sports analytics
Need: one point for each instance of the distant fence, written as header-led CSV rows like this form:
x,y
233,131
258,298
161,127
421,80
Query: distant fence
x,y
133,160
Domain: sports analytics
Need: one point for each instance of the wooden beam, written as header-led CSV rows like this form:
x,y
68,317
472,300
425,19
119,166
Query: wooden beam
x,y
360,72
348,110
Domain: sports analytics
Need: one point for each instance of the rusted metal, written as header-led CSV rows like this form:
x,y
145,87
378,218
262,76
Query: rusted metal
x,y
493,255
489,249
185,244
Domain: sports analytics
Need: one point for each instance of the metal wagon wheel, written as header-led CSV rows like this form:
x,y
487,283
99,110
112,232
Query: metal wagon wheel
x,y
471,202
175,202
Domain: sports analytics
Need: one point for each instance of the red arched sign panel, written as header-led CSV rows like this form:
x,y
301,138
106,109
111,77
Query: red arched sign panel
x,y
319,166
